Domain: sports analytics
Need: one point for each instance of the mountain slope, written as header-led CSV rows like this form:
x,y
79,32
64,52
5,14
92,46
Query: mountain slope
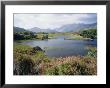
x,y
17,29
36,29
76,27
64,28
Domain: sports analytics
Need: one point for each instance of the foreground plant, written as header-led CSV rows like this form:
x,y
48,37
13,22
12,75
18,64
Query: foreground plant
x,y
74,65
33,61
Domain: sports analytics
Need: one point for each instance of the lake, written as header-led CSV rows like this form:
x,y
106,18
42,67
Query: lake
x,y
59,47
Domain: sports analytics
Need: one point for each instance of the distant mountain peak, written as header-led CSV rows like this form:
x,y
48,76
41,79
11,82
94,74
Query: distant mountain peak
x,y
76,27
36,29
65,28
18,29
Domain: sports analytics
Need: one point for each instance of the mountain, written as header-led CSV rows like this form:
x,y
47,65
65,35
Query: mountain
x,y
17,29
64,28
75,27
36,29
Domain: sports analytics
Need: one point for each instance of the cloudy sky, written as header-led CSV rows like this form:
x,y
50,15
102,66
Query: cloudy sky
x,y
52,21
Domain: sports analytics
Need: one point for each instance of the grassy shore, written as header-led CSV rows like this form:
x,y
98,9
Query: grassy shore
x,y
58,34
28,61
70,35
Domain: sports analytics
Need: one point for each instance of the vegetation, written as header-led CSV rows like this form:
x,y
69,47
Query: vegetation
x,y
92,52
25,58
92,33
42,36
72,66
33,61
82,35
30,35
24,66
58,34
75,37
24,35
85,34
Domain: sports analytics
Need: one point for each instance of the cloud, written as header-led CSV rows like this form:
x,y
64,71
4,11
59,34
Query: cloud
x,y
52,21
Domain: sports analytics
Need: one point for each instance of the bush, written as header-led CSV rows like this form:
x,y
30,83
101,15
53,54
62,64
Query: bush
x,y
33,61
84,66
52,71
92,52
65,69
25,66
23,49
27,59
80,69
24,35
91,33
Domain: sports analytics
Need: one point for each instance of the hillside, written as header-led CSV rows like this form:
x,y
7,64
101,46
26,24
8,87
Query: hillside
x,y
18,29
36,29
64,28
76,27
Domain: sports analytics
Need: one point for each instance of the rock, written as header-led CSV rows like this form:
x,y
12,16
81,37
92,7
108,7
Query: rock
x,y
34,50
37,48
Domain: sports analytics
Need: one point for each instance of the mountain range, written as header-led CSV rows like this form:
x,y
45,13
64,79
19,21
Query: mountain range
x,y
64,28
76,27
36,29
18,29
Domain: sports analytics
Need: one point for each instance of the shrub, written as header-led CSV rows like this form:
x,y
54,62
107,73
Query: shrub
x,y
80,69
24,35
65,69
83,66
92,52
33,61
52,71
91,33
25,66
23,49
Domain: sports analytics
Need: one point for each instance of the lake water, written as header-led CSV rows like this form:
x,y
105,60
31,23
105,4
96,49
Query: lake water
x,y
59,47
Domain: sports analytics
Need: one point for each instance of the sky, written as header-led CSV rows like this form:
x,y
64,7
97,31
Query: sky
x,y
52,21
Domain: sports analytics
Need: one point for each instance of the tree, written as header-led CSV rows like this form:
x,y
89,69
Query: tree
x,y
18,36
91,33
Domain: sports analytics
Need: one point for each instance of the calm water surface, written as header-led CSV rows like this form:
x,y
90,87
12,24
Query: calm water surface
x,y
59,47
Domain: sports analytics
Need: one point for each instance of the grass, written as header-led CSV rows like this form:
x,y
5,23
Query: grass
x,y
76,37
74,65
22,49
25,50
27,59
71,36
29,62
52,35
20,41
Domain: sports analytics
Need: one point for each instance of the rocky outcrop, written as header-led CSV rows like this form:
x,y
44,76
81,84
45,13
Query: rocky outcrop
x,y
37,48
